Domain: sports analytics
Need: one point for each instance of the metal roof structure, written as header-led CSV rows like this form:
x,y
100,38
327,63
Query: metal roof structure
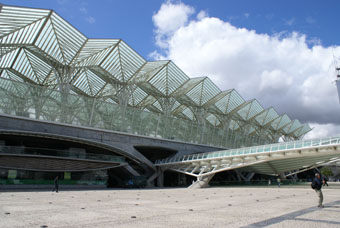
x,y
39,47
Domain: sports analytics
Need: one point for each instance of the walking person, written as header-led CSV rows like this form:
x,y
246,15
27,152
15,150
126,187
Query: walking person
x,y
278,182
56,184
317,185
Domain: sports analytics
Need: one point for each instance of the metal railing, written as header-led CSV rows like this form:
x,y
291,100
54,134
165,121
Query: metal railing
x,y
31,151
278,147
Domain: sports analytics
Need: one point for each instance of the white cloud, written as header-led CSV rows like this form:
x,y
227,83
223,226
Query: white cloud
x,y
169,18
201,15
321,130
275,80
280,70
90,19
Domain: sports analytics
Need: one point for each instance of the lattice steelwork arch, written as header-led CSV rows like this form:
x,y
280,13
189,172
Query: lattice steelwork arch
x,y
40,48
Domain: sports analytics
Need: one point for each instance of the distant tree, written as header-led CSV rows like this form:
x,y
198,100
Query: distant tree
x,y
326,171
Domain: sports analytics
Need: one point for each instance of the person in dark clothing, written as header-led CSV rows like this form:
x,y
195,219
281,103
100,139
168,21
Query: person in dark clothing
x,y
325,179
317,183
56,184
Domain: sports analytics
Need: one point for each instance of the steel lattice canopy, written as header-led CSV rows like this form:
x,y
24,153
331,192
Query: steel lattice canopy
x,y
38,46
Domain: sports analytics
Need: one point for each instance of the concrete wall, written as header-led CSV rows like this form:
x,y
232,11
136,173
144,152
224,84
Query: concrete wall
x,y
119,142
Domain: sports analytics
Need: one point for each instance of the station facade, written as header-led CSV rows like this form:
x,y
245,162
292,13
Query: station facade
x,y
52,74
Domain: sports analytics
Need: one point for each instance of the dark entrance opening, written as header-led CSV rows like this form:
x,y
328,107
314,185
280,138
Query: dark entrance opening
x,y
154,153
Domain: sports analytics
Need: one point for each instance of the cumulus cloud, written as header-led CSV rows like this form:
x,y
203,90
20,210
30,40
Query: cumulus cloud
x,y
169,19
202,14
281,70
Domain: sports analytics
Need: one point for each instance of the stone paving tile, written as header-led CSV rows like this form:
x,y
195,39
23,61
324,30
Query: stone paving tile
x,y
176,207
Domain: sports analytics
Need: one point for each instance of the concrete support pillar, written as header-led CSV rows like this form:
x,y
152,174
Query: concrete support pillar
x,y
150,180
160,177
131,170
249,176
202,182
238,175
241,177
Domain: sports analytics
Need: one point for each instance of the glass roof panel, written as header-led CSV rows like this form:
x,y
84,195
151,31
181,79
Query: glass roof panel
x,y
214,104
176,77
16,19
188,85
305,128
285,120
255,109
137,96
244,111
6,60
168,79
292,127
40,68
69,39
88,82
159,82
262,117
122,62
148,70
48,43
280,122
23,66
272,114
158,106
94,51
235,100
201,92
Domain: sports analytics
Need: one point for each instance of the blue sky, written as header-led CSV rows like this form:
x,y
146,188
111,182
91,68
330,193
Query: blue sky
x,y
131,20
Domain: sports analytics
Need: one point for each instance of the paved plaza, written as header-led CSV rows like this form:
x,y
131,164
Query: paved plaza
x,y
180,207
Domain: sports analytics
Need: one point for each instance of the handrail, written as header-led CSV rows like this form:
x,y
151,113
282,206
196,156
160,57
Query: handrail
x,y
278,147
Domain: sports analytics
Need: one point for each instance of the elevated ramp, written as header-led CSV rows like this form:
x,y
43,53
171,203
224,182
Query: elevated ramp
x,y
273,159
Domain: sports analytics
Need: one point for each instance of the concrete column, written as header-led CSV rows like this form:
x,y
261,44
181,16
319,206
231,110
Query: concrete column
x,y
160,177
150,180
202,182
241,177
